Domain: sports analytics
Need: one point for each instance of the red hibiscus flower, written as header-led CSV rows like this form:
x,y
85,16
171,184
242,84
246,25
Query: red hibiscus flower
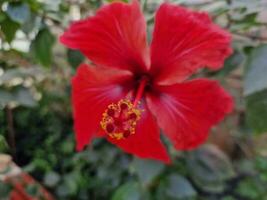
x,y
133,90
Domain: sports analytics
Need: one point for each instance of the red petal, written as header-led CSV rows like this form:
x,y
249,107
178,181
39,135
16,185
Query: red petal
x,y
145,143
184,41
187,111
93,89
115,37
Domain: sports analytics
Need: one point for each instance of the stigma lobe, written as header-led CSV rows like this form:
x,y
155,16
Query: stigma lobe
x,y
119,119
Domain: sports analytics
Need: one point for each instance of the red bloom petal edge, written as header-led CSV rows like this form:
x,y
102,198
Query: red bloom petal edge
x,y
184,41
188,110
114,37
93,89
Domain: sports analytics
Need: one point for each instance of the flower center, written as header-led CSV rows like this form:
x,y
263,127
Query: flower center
x,y
120,119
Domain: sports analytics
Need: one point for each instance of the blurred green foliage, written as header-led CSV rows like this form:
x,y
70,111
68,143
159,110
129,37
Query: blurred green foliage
x,y
36,121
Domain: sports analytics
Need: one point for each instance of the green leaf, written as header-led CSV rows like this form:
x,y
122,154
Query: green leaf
x,y
63,191
32,23
180,187
252,188
52,5
261,166
228,198
9,29
255,76
110,1
244,22
176,187
70,181
255,89
35,5
33,190
3,145
20,95
11,74
42,47
51,179
18,12
256,105
2,17
209,168
5,97
75,58
5,190
147,170
24,97
233,62
128,191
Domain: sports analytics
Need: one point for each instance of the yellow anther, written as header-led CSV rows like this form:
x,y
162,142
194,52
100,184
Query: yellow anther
x,y
120,119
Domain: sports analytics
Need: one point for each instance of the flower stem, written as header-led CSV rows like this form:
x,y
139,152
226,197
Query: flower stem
x,y
140,90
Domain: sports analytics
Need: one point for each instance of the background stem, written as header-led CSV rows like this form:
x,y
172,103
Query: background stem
x,y
11,131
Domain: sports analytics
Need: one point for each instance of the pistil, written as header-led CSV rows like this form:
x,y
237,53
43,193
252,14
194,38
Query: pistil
x,y
140,90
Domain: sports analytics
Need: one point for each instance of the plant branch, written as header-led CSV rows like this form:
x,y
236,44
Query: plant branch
x,y
250,36
11,131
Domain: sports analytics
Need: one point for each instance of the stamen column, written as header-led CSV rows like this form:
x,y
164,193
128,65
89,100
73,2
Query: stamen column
x,y
140,91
